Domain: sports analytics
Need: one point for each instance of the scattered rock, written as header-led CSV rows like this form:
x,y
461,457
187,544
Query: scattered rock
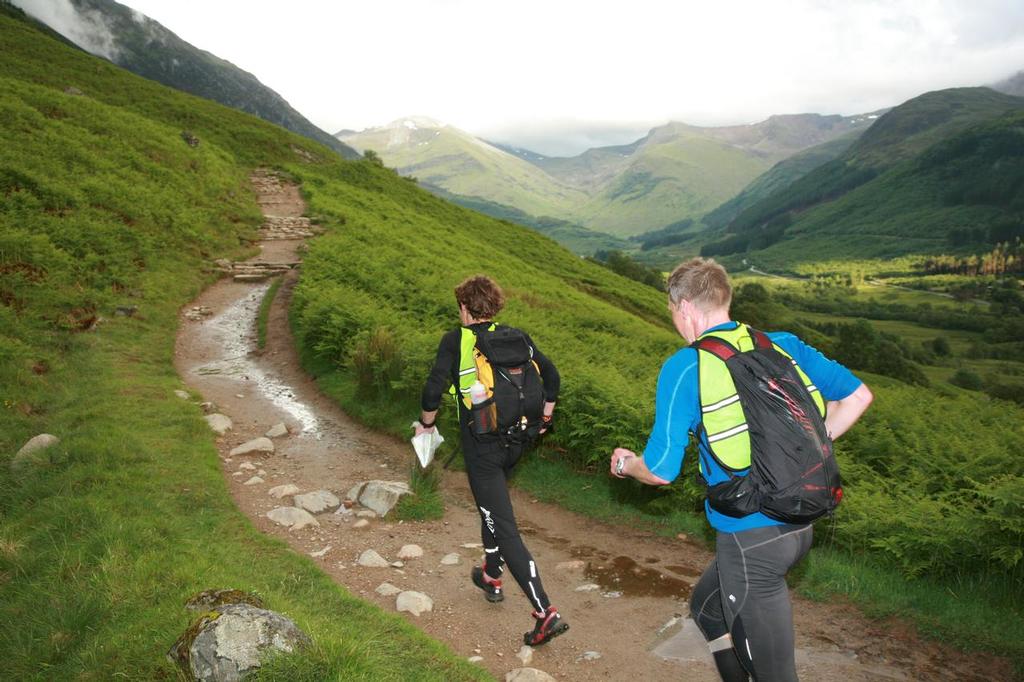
x,y
366,514
240,396
238,473
207,599
320,552
410,552
612,595
256,445
575,565
232,640
182,394
371,559
525,654
220,423
380,496
361,523
397,564
73,91
471,545
32,451
261,472
414,602
588,656
475,659
318,501
208,407
528,675
255,480
589,587
682,536
293,517
281,491
248,466
126,310
387,590
197,313
190,139
451,559
276,431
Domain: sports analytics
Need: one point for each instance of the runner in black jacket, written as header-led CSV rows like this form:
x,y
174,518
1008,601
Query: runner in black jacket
x,y
489,463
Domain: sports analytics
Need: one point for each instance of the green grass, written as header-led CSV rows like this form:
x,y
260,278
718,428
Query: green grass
x,y
103,539
264,313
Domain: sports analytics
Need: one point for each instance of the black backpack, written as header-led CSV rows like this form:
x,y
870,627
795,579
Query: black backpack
x,y
517,391
793,475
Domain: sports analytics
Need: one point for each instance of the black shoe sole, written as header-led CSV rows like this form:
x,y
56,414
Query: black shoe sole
x,y
492,597
560,628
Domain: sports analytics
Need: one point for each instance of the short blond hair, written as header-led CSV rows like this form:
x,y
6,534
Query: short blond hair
x,y
702,282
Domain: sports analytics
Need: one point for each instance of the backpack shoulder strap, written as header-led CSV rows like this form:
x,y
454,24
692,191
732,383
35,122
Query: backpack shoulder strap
x,y
760,339
720,348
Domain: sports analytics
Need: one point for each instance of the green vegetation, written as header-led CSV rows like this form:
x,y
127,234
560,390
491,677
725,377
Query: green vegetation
x,y
621,263
574,237
919,181
264,313
102,539
426,501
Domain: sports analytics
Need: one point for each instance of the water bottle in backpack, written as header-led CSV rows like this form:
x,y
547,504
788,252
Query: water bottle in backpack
x,y
485,415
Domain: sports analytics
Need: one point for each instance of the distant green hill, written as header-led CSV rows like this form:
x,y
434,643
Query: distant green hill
x,y
887,196
778,177
446,157
147,48
675,172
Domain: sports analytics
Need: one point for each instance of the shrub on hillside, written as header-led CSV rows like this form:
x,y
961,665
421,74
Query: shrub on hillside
x,y
965,378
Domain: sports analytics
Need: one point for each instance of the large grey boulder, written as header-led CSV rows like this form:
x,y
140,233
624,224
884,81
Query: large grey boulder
x,y
33,452
413,602
380,496
262,444
219,423
232,640
318,501
293,517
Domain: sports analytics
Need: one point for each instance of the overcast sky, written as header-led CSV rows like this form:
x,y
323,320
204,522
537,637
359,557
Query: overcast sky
x,y
561,75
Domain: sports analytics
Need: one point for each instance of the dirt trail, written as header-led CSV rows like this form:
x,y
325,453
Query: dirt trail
x,y
644,581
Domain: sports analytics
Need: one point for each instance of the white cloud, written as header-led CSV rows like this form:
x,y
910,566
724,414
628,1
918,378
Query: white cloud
x,y
532,65
84,28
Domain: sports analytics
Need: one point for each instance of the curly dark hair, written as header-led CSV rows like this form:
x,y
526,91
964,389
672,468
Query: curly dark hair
x,y
481,295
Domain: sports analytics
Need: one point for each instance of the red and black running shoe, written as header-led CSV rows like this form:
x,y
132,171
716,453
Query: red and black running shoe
x,y
548,626
490,586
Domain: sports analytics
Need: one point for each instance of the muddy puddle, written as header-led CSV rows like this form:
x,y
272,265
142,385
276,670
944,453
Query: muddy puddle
x,y
621,575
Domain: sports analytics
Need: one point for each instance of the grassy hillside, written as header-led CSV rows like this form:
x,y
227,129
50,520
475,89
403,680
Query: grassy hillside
x,y
778,177
929,170
446,157
104,204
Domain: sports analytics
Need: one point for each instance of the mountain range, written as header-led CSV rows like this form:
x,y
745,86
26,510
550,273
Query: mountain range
x,y
143,46
676,172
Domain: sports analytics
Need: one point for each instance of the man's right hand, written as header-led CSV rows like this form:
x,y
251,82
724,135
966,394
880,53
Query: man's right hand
x,y
419,428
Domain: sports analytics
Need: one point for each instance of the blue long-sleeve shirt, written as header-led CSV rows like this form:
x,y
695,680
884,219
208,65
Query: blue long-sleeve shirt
x,y
677,414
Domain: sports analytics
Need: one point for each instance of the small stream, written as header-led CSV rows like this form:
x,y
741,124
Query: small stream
x,y
234,331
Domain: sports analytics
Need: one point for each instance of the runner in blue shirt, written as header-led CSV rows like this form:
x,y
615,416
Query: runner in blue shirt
x,y
741,602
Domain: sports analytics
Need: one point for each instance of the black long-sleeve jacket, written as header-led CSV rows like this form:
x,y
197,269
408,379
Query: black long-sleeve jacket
x,y
446,370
